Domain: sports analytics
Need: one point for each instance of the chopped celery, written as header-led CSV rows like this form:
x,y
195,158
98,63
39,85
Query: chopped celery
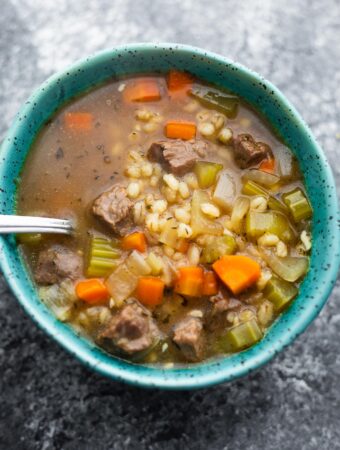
x,y
206,173
290,268
279,292
298,204
241,336
252,188
275,204
200,224
121,283
169,235
222,245
261,177
225,191
227,103
102,257
258,223
31,239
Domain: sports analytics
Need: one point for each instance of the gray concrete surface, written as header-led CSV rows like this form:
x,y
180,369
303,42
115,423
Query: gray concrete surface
x,y
47,399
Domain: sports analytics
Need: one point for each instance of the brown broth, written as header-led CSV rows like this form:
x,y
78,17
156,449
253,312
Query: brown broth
x,y
66,170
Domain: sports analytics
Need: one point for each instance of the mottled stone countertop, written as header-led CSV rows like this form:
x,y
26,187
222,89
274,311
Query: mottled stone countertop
x,y
48,400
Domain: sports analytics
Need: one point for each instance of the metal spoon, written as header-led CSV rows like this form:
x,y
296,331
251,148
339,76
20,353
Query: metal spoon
x,y
27,224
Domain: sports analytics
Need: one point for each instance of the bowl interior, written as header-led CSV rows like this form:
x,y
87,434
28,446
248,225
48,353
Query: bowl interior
x,y
265,97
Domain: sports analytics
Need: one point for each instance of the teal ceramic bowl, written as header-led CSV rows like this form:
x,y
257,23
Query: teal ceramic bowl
x,y
265,97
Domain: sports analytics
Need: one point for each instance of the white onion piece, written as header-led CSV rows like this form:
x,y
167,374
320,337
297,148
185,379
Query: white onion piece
x,y
137,264
285,161
59,298
240,209
289,268
121,283
225,191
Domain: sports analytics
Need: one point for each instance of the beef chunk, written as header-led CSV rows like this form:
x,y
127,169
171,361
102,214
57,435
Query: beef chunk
x,y
114,208
177,156
221,304
125,226
56,264
249,152
188,335
132,329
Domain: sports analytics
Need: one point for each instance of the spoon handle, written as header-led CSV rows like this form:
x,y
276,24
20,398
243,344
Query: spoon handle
x,y
27,224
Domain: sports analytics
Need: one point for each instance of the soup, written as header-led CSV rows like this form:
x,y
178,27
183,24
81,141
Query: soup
x,y
192,222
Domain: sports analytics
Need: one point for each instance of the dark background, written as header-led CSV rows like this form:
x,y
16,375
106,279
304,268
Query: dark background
x,y
47,399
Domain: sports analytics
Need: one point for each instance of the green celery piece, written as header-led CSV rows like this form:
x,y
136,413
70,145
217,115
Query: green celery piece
x,y
222,245
275,204
105,253
241,336
226,103
103,256
279,292
101,267
251,188
261,177
258,223
206,173
298,204
113,242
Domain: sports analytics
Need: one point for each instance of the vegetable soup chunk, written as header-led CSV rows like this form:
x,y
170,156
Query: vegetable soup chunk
x,y
193,225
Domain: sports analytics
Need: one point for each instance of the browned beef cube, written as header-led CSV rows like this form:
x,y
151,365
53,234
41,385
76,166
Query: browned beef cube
x,y
131,329
221,304
177,156
57,263
188,335
248,152
114,208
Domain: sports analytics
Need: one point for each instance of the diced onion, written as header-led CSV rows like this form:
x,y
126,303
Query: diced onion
x,y
240,209
225,191
289,268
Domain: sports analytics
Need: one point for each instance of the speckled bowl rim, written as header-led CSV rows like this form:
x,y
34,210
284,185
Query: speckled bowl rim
x,y
196,376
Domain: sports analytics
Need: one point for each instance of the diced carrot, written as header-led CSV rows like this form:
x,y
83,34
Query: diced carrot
x,y
134,241
150,291
237,272
268,165
189,281
180,130
92,291
210,284
81,121
179,80
182,245
143,90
